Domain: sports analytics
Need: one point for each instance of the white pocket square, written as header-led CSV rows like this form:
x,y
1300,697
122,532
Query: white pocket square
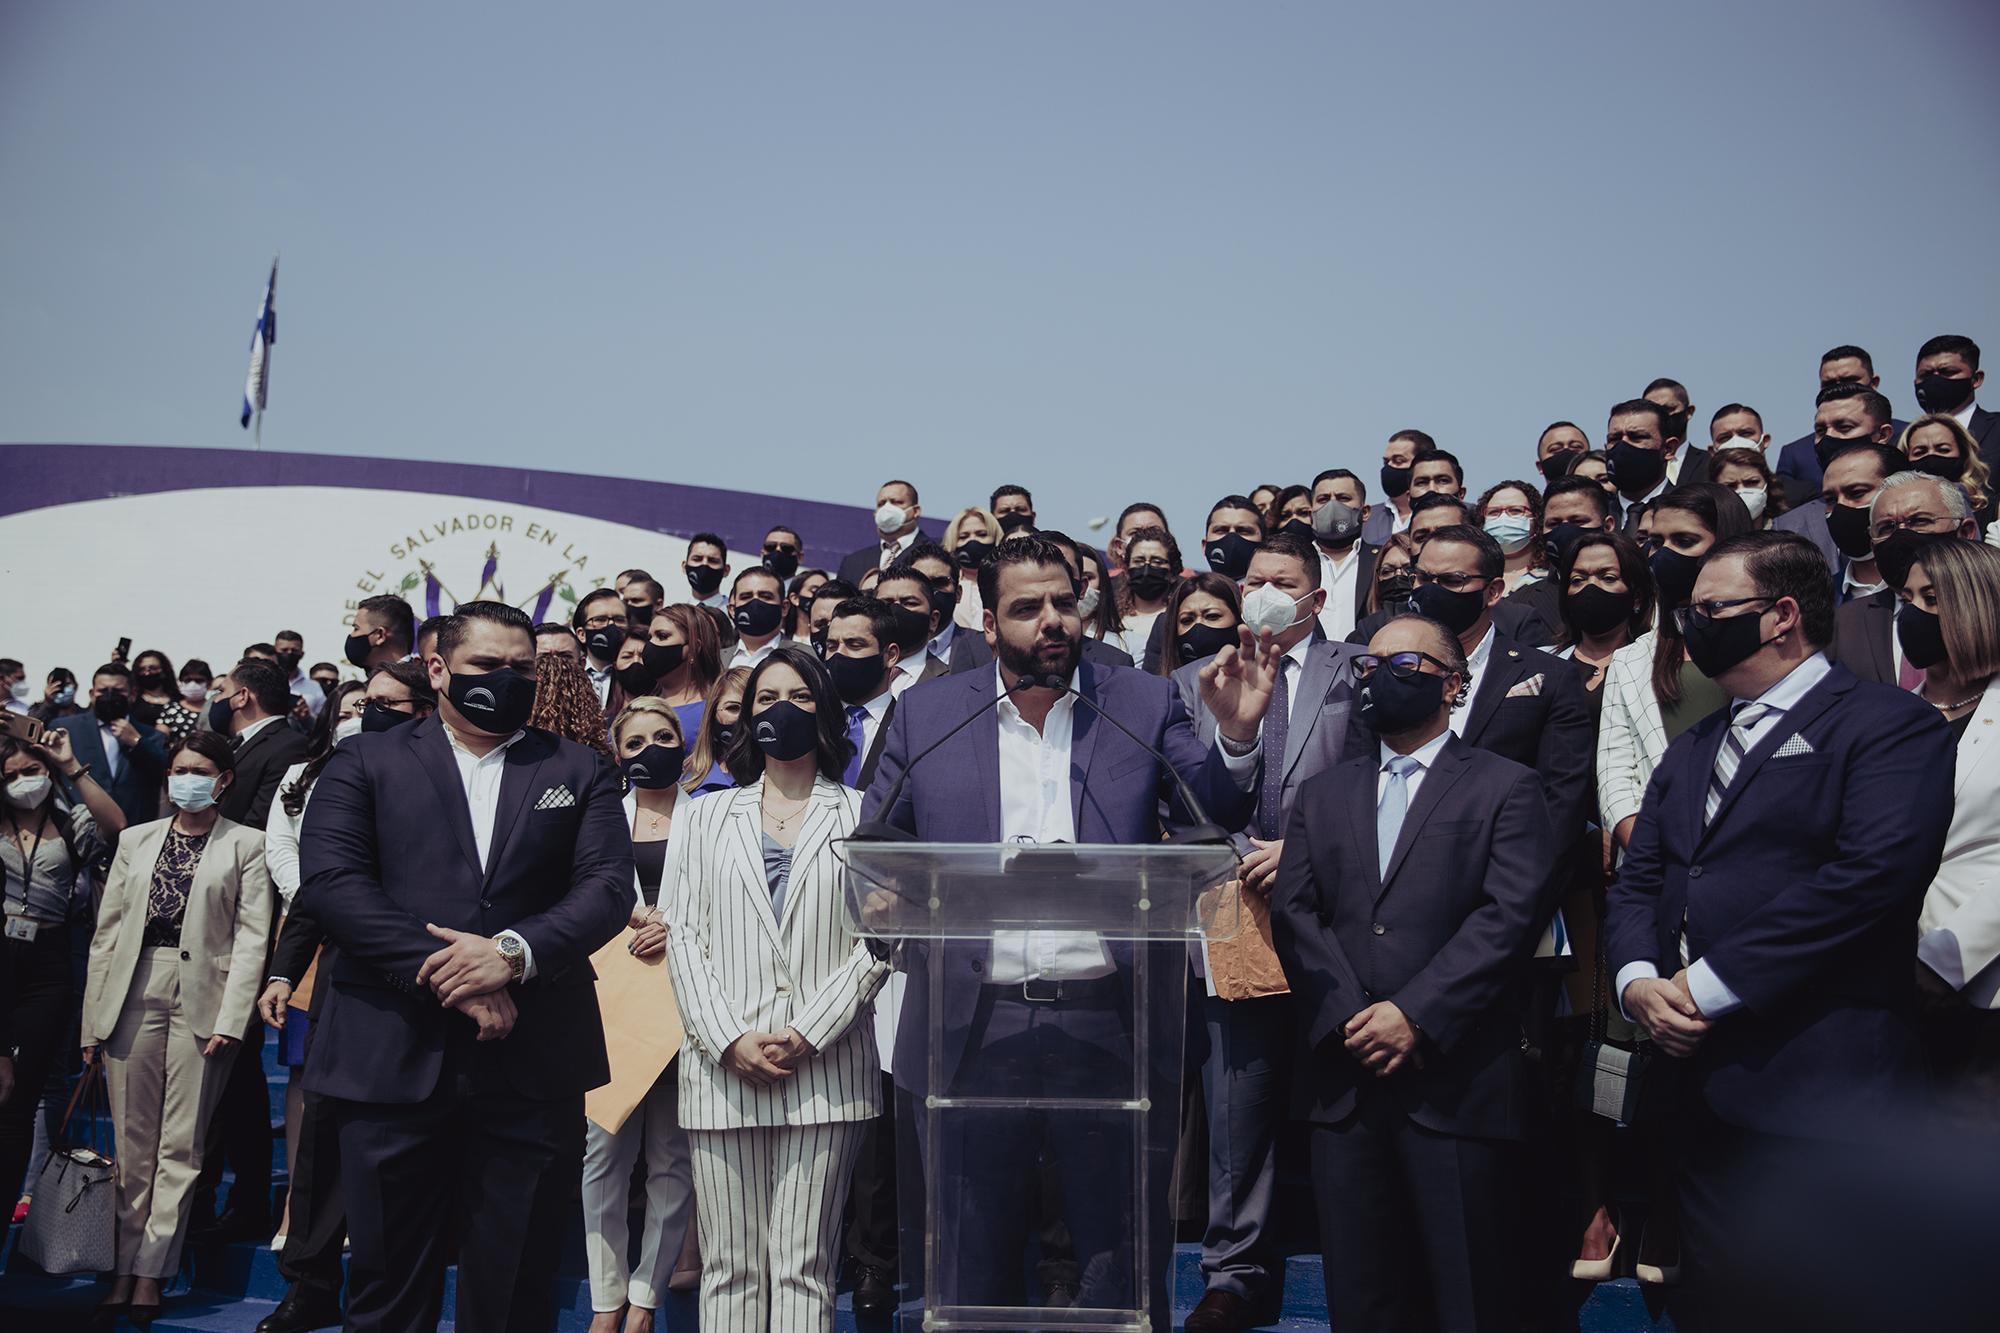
x,y
557,797
1797,745
1528,688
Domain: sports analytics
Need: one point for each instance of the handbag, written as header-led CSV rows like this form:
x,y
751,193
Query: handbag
x,y
1616,1080
72,1227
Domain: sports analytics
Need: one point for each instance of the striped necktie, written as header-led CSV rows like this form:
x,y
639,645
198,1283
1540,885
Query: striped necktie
x,y
1730,757
1277,721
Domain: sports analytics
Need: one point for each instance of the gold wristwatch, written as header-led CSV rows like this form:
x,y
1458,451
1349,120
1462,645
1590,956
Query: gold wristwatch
x,y
510,949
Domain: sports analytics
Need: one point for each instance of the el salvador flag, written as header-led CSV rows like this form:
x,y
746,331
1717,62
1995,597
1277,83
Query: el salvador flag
x,y
257,388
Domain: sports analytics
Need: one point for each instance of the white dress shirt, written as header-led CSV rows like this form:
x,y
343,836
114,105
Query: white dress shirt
x,y
600,679
893,549
480,776
1476,662
1853,589
940,647
1425,755
1336,579
242,738
1711,994
1964,414
114,753
746,656
878,708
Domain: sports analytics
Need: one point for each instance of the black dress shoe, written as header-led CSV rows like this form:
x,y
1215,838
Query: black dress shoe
x,y
1220,1312
107,1314
142,1316
300,1311
874,1291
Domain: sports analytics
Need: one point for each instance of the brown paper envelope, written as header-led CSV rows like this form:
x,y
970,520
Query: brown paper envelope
x,y
642,1029
1245,965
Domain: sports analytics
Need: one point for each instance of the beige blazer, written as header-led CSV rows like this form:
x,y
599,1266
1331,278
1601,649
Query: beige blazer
x,y
737,965
1960,924
224,938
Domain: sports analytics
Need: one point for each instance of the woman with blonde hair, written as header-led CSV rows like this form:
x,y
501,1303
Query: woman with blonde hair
x,y
652,754
720,714
1940,445
970,538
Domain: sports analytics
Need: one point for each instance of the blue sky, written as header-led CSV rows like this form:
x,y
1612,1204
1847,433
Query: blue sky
x,y
1109,250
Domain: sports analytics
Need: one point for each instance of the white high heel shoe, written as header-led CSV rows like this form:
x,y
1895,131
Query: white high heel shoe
x,y
1598,1270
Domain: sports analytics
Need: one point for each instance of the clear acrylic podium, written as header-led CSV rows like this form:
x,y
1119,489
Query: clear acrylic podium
x,y
1037,1119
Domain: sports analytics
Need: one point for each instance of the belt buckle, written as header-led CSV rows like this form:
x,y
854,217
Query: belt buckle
x,y
1040,990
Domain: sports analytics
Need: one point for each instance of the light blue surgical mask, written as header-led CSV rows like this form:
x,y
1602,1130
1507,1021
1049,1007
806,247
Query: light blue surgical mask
x,y
1511,531
192,792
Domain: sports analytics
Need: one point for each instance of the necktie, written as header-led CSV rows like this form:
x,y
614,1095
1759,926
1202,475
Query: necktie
x,y
1389,811
1271,791
1730,757
857,714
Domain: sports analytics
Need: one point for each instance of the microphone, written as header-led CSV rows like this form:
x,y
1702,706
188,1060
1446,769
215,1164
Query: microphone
x,y
1204,830
881,830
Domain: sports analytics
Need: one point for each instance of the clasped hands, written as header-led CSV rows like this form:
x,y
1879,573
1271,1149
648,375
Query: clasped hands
x,y
469,975
767,1058
1383,1039
1668,1013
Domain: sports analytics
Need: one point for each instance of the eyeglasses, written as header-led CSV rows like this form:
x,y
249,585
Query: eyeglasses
x,y
780,548
398,705
1454,581
601,621
1509,511
1157,566
1401,665
1889,527
1701,613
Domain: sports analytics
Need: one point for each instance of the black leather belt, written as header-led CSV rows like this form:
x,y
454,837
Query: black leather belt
x,y
1096,990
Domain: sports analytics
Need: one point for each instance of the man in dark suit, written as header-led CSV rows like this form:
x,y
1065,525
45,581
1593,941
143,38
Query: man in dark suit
x,y
1049,1014
252,702
1573,507
1346,560
1800,465
1413,882
467,867
1760,928
1686,461
1248,1041
1948,380
128,762
1518,620
1911,510
1399,460
1524,704
896,515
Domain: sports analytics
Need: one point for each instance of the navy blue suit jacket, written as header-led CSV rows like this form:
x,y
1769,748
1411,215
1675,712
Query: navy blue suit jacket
x,y
387,846
1802,894
1446,935
142,776
1116,790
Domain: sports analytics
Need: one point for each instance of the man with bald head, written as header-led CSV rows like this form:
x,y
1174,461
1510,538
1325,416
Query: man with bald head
x,y
1910,511
1407,901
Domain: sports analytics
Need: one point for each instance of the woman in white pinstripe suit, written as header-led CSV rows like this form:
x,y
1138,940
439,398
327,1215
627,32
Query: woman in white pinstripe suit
x,y
775,990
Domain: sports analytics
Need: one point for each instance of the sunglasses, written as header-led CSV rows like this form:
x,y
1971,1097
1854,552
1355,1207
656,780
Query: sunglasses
x,y
1401,665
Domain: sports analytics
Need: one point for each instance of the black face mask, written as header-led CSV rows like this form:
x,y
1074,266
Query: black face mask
x,y
1016,523
662,659
111,706
289,663
785,731
1636,469
1396,481
1456,611
1561,537
946,602
754,619
1677,425
378,716
1390,706
1229,555
603,643
1300,528
1848,526
327,684
1673,575
703,579
1717,646
655,767
1152,584
1922,635
1941,393
818,638
1595,610
724,738
1903,548
1557,465
913,630
1199,641
974,553
638,617
1395,588
1950,467
495,702
856,678
634,679
1826,446
357,648
1336,524
782,563
150,682
220,715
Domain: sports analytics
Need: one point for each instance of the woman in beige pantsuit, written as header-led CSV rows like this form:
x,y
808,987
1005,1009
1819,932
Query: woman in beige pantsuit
x,y
175,966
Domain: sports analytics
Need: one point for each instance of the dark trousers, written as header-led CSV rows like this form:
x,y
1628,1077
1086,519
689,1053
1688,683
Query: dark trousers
x,y
35,988
1248,1043
239,1136
871,1233
1413,1224
986,1159
311,1257
476,1161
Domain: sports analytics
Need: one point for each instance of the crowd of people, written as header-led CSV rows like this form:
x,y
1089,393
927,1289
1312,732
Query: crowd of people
x,y
1618,833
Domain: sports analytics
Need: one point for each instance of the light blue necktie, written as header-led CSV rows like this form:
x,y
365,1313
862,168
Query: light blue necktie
x,y
1389,811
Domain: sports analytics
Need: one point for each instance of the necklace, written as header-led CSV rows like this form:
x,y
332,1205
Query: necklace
x,y
1953,708
789,816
